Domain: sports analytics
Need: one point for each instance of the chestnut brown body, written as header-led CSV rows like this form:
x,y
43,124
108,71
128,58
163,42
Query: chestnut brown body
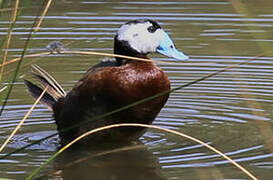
x,y
111,85
104,89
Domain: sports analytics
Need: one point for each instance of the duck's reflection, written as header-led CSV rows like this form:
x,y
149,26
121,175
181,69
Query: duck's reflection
x,y
111,162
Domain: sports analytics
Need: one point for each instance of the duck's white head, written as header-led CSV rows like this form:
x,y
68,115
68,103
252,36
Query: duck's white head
x,y
141,37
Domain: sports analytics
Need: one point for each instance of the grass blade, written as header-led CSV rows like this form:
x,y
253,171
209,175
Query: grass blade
x,y
82,53
43,15
22,121
37,170
134,104
8,38
50,79
13,78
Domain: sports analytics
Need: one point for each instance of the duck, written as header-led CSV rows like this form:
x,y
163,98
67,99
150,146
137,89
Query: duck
x,y
112,84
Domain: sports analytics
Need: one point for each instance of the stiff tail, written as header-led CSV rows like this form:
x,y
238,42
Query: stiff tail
x,y
54,90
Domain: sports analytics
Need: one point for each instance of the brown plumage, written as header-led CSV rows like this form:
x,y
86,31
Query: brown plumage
x,y
105,89
111,85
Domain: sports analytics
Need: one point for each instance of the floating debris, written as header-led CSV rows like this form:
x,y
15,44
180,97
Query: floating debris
x,y
55,47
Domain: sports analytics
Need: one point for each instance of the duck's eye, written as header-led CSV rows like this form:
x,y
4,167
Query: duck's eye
x,y
151,29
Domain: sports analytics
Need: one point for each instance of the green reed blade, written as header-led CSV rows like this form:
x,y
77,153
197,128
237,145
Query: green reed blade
x,y
5,96
6,41
132,105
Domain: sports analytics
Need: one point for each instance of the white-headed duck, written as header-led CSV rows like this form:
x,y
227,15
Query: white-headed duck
x,y
110,85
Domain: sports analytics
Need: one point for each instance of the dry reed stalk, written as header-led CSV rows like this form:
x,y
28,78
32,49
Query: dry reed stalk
x,y
18,65
42,16
13,18
78,52
157,95
3,88
107,54
18,59
104,54
23,120
6,9
146,126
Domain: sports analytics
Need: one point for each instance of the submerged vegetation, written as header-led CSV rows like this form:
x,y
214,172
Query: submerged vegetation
x,y
9,76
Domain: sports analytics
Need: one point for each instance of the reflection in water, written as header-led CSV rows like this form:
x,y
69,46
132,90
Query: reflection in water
x,y
117,163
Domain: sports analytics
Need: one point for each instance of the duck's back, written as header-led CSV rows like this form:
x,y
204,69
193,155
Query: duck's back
x,y
108,87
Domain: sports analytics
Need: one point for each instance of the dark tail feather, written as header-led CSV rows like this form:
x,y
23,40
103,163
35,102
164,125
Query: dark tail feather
x,y
54,90
51,89
47,80
36,91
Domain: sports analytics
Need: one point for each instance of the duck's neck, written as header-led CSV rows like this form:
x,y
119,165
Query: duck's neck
x,y
123,48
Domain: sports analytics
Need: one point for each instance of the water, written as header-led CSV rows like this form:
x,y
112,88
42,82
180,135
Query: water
x,y
231,111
